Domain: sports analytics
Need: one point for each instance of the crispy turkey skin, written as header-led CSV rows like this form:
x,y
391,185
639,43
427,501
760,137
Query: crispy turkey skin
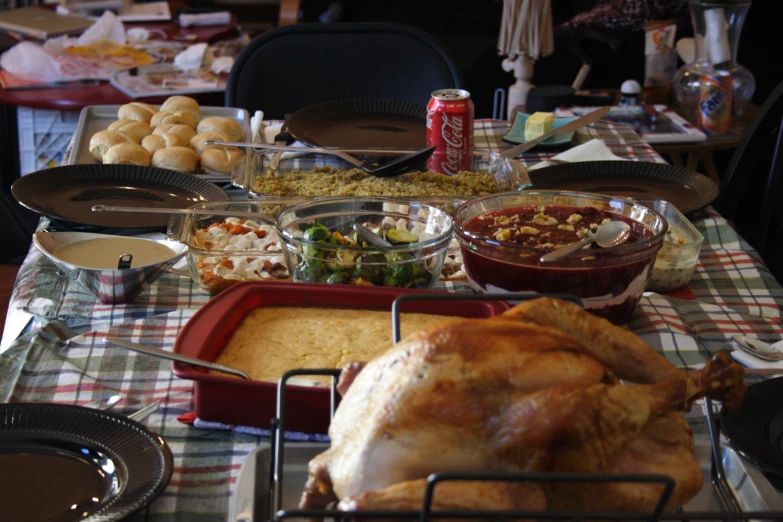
x,y
536,389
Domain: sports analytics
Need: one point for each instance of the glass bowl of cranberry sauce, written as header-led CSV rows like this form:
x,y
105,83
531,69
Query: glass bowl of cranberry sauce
x,y
502,237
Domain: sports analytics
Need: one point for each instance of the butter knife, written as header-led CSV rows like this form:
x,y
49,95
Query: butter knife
x,y
568,127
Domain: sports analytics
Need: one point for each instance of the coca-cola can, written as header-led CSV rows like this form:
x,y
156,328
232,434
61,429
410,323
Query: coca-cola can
x,y
450,114
715,91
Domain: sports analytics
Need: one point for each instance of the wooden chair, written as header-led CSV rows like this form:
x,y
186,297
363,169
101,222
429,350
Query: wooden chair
x,y
289,12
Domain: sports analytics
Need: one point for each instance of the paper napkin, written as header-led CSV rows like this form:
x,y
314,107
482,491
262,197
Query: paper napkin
x,y
754,362
593,150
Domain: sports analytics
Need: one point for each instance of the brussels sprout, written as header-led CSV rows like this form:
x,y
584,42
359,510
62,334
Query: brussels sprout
x,y
421,278
309,270
399,275
370,268
317,232
399,257
400,237
338,278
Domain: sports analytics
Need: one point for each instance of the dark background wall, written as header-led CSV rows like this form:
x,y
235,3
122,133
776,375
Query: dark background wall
x,y
469,29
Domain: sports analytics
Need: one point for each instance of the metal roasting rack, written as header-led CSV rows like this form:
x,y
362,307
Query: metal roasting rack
x,y
272,504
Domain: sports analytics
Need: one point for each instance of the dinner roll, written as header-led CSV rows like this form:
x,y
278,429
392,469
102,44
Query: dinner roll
x,y
155,142
220,160
127,154
228,126
197,142
183,117
104,140
183,159
136,111
119,123
135,129
184,131
182,103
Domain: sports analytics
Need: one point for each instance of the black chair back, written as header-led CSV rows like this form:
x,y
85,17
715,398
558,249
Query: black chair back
x,y
751,187
292,67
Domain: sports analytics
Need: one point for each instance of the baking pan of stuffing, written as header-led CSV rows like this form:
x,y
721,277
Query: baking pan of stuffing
x,y
322,175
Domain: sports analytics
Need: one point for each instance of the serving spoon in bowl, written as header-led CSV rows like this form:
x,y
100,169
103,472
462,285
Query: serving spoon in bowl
x,y
389,169
604,235
266,218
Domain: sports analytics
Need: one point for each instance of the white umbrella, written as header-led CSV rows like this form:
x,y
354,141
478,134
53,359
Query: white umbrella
x,y
525,36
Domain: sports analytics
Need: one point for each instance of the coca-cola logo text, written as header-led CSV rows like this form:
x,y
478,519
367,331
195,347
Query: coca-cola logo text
x,y
452,132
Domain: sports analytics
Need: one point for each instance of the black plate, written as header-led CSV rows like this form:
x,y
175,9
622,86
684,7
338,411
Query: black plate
x,y
65,463
755,429
67,194
685,189
361,124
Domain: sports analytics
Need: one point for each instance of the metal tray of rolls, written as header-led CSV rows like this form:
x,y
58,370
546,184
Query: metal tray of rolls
x,y
95,118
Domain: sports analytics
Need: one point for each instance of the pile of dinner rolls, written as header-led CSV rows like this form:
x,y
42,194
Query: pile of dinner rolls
x,y
171,137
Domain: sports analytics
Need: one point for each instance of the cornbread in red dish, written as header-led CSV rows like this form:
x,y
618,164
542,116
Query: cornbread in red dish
x,y
230,400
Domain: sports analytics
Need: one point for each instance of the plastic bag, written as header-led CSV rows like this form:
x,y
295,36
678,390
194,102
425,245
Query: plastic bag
x,y
29,60
107,28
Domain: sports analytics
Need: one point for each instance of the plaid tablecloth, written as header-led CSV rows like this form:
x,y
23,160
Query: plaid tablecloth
x,y
63,357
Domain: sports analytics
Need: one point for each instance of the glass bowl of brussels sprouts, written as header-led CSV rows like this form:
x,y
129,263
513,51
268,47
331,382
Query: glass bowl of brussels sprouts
x,y
321,244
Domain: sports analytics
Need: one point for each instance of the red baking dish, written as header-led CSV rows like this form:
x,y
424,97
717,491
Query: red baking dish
x,y
252,403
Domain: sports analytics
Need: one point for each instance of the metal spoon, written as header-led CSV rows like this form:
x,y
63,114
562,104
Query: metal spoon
x,y
400,165
157,352
758,348
104,404
266,218
605,235
371,237
391,168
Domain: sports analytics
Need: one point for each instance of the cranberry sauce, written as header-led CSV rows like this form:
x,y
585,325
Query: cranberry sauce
x,y
609,285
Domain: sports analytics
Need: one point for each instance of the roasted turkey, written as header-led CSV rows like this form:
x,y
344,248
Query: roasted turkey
x,y
537,389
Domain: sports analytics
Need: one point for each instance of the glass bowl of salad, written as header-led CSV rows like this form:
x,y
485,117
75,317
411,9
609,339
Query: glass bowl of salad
x,y
503,237
321,244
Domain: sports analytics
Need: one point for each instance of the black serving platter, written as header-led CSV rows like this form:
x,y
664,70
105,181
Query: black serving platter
x,y
67,194
361,123
755,429
685,189
60,462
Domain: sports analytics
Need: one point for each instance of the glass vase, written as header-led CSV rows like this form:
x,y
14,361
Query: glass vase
x,y
717,26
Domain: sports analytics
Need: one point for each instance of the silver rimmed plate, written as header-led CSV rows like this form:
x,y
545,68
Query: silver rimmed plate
x,y
685,189
67,194
60,462
362,124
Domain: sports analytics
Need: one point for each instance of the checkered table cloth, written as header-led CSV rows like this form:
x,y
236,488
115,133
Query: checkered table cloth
x,y
64,358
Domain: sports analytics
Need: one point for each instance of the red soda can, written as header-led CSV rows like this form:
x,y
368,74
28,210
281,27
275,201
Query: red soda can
x,y
450,114
715,103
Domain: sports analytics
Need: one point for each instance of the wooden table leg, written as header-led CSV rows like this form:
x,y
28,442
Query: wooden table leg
x,y
709,167
693,161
